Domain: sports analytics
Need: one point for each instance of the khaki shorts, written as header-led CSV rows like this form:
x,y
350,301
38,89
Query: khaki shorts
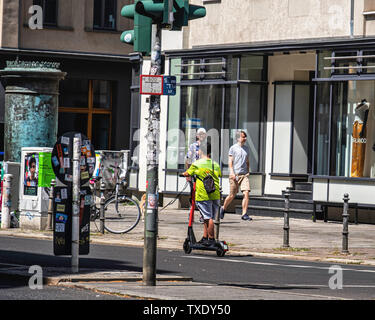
x,y
242,182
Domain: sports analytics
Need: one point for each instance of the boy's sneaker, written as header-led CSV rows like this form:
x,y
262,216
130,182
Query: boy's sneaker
x,y
210,242
246,217
203,240
222,212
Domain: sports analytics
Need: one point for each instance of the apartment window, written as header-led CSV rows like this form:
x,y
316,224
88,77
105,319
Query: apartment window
x,y
105,14
49,11
86,106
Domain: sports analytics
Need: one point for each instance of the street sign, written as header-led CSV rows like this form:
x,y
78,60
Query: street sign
x,y
158,85
169,85
151,85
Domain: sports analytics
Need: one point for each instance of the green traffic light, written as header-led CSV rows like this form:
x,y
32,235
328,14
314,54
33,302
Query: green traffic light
x,y
128,37
169,14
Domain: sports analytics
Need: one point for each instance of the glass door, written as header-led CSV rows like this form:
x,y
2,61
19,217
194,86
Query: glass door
x,y
292,138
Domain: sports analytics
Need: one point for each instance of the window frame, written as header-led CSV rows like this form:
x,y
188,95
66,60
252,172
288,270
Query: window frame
x,y
102,17
90,110
43,5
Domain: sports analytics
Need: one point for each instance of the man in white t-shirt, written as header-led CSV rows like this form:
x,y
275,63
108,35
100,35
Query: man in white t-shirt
x,y
239,167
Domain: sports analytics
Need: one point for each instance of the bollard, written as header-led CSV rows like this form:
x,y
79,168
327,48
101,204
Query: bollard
x,y
6,202
345,221
50,204
102,202
286,220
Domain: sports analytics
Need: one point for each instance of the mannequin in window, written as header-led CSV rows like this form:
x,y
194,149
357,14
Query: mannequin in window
x,y
369,170
359,138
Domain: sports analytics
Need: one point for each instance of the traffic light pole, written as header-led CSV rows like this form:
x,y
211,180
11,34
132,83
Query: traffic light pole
x,y
151,216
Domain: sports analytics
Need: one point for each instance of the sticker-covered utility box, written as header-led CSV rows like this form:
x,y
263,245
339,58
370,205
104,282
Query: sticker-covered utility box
x,y
62,164
62,236
35,178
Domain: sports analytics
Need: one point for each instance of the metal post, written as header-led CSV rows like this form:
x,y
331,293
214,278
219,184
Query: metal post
x,y
102,202
151,214
76,203
345,220
286,221
50,204
217,220
6,202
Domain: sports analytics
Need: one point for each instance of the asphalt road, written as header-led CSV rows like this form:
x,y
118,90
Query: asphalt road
x,y
310,278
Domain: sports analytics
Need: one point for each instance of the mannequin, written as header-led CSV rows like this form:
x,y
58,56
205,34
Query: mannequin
x,y
359,138
369,170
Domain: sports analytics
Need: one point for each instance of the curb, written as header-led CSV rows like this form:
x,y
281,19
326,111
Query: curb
x,y
93,276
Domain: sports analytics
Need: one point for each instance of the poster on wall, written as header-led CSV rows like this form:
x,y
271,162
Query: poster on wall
x,y
46,173
31,174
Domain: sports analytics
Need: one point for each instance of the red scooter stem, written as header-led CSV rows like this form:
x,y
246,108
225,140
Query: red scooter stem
x,y
192,208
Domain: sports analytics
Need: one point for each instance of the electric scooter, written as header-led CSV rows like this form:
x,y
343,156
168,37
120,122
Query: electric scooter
x,y
191,243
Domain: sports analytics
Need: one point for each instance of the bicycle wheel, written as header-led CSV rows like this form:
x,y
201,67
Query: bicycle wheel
x,y
124,218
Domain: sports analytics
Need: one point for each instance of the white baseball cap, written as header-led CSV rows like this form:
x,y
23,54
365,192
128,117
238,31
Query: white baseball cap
x,y
201,130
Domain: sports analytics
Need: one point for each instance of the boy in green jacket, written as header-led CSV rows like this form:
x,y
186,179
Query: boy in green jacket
x,y
207,203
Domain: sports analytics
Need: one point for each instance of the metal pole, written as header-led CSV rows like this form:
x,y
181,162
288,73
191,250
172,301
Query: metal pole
x,y
217,220
151,228
345,221
102,202
76,203
6,202
50,204
286,221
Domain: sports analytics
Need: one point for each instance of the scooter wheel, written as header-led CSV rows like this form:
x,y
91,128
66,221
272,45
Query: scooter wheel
x,y
187,247
220,252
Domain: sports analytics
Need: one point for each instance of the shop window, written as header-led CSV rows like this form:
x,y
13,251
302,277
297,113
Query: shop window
x,y
322,128
49,11
349,138
222,103
86,106
251,68
105,14
249,119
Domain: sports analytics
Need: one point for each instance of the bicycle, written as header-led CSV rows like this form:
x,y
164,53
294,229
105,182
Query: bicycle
x,y
121,213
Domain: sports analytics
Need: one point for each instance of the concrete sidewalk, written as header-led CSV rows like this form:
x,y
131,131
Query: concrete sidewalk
x,y
263,236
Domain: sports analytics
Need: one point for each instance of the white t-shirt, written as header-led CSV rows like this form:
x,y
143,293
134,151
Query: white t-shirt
x,y
240,155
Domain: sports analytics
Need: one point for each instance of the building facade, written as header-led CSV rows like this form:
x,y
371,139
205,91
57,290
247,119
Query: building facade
x,y
296,76
84,37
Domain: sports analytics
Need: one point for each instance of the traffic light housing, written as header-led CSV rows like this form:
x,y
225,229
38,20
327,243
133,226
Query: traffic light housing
x,y
140,36
183,12
169,14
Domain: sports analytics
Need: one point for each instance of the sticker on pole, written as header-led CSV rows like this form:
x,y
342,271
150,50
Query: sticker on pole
x,y
151,84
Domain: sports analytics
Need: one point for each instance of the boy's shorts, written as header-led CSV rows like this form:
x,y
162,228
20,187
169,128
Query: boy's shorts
x,y
242,182
208,208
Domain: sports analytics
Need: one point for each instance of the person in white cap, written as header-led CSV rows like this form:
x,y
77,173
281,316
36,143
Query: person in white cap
x,y
193,155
